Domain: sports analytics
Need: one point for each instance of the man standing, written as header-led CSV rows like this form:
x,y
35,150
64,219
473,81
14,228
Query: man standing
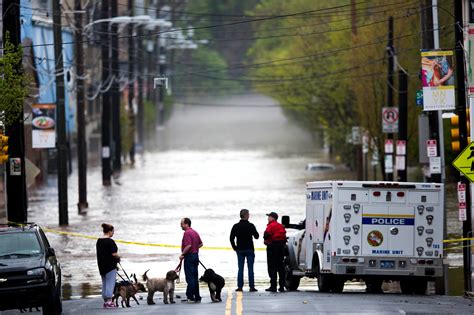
x,y
275,239
190,253
244,231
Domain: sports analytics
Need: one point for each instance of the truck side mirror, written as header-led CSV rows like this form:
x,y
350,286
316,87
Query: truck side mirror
x,y
285,220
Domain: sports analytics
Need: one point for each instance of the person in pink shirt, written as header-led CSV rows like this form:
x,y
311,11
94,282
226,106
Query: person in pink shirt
x,y
190,253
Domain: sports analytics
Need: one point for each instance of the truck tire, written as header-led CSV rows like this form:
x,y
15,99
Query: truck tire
x,y
373,285
337,284
324,283
291,282
53,305
420,286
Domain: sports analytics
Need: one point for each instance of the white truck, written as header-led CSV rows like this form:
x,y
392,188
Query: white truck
x,y
372,231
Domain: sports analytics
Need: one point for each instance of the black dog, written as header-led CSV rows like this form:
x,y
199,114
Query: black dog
x,y
215,283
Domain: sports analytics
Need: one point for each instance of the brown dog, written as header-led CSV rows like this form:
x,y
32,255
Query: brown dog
x,y
127,290
165,285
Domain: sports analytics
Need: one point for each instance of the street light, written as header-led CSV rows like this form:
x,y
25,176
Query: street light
x,y
139,19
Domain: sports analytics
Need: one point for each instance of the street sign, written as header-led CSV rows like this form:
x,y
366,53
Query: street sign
x,y
400,163
462,201
401,147
388,163
419,97
356,136
365,144
388,146
435,165
464,162
431,148
390,119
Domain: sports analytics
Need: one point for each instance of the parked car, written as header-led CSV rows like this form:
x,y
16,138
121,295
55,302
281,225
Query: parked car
x,y
30,275
320,167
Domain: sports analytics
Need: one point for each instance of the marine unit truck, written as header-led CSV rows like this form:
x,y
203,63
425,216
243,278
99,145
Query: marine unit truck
x,y
373,231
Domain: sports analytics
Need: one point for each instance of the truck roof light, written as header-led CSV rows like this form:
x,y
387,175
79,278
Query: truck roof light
x,y
389,185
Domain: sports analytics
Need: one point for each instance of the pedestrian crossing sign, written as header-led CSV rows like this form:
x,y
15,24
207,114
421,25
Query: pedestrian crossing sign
x,y
464,162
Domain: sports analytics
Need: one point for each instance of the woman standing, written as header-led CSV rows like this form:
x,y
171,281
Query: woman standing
x,y
107,258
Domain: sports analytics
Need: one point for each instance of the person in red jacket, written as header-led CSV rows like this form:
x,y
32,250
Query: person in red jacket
x,y
275,239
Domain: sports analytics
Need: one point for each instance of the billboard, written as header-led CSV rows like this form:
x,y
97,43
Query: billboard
x,y
43,126
437,77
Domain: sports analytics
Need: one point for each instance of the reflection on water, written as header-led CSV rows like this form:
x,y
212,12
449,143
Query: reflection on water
x,y
208,164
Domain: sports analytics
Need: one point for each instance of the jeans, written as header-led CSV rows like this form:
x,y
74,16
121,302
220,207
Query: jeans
x,y
275,262
241,256
108,284
191,263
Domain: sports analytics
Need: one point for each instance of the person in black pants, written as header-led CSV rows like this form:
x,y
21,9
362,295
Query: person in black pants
x,y
275,239
244,231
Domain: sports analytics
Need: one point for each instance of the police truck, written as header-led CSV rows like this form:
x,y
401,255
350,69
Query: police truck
x,y
368,230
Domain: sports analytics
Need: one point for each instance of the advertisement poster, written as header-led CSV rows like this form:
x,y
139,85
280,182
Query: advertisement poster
x,y
44,126
470,59
437,77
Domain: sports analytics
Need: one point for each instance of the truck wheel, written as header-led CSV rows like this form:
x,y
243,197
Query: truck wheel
x,y
373,285
420,286
337,285
324,282
53,305
406,286
291,282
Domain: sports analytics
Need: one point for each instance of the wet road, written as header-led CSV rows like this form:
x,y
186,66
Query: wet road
x,y
207,164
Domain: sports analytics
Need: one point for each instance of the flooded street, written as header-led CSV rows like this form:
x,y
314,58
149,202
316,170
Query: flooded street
x,y
207,163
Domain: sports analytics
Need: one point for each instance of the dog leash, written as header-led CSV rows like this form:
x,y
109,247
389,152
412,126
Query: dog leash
x,y
124,272
203,265
178,270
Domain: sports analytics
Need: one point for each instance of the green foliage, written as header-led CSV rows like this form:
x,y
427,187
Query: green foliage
x,y
13,83
149,110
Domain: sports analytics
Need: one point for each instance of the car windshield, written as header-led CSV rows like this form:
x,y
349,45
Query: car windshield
x,y
19,245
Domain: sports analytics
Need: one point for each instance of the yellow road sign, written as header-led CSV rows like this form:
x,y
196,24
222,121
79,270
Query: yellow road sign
x,y
464,162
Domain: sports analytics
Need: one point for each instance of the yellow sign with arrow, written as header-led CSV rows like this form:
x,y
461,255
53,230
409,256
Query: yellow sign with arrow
x,y
464,162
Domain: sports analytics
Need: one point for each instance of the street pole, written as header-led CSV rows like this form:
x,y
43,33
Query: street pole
x,y
115,91
81,119
140,110
461,112
61,115
403,119
17,200
390,87
131,83
106,168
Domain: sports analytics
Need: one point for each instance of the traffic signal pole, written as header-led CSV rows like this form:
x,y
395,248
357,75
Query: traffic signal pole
x,y
15,168
390,66
461,112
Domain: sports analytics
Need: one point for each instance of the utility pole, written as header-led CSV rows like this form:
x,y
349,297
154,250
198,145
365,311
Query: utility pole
x,y
61,115
461,112
117,163
81,119
17,200
403,118
140,111
390,65
131,82
106,76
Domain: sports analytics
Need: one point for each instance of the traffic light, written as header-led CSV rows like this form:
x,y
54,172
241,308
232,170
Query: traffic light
x,y
3,149
455,141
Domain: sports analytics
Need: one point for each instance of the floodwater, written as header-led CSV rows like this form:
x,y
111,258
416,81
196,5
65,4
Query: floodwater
x,y
207,163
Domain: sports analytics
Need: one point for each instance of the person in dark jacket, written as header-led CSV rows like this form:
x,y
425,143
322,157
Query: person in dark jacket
x,y
275,239
244,231
107,259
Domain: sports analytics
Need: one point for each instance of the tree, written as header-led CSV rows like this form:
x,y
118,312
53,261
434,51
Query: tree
x,y
13,83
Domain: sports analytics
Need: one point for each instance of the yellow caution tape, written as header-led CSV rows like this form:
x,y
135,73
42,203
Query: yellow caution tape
x,y
457,240
137,243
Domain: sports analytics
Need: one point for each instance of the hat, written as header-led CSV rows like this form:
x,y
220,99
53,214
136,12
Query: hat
x,y
273,215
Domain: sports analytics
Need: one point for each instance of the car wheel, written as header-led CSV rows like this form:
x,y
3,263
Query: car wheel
x,y
53,305
291,282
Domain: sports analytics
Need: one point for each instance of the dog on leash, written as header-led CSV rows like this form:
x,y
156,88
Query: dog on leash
x,y
165,285
127,290
215,283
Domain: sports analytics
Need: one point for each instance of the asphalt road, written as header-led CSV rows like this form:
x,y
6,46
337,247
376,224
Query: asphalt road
x,y
306,301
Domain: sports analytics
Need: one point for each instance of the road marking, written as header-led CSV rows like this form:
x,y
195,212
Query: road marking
x,y
228,304
238,303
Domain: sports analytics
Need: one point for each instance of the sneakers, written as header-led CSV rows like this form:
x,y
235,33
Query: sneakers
x,y
253,290
270,289
238,290
109,304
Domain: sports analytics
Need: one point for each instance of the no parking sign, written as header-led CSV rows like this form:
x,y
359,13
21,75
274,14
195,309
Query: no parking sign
x,y
390,119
